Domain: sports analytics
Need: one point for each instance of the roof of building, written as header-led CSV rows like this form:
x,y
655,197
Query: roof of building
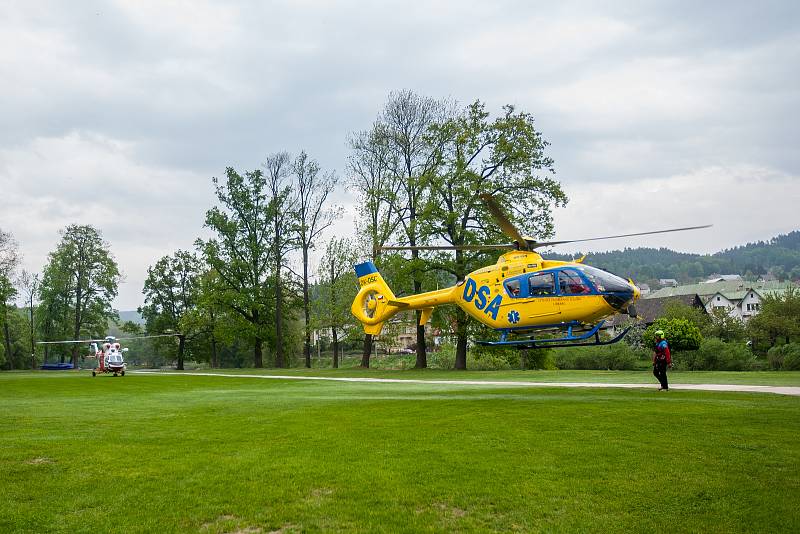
x,y
651,309
723,278
724,287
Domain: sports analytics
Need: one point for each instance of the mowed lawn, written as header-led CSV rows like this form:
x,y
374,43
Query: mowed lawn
x,y
220,454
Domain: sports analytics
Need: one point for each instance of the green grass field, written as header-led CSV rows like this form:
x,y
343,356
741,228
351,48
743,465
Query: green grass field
x,y
218,454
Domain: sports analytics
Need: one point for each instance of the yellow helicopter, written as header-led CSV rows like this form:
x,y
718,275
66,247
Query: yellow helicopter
x,y
521,295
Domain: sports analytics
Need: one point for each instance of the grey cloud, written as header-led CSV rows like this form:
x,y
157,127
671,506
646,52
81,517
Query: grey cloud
x,y
626,92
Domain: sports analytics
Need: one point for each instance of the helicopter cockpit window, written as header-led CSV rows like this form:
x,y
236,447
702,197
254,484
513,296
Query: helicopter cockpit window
x,y
115,358
603,280
512,286
541,285
571,283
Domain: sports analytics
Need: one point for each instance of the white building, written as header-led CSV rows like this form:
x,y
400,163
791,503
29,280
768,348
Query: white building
x,y
741,299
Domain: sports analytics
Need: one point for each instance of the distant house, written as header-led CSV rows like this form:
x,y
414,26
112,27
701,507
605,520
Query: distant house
x,y
741,299
644,289
668,282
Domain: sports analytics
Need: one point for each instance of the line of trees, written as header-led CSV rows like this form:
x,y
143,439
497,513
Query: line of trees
x,y
417,174
70,300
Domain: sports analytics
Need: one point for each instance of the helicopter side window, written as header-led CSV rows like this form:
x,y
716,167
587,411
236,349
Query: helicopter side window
x,y
541,285
571,283
512,286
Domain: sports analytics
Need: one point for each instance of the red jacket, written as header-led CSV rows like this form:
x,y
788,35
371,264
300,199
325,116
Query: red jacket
x,y
662,352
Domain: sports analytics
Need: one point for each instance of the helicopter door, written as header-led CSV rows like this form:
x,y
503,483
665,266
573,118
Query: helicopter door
x,y
543,306
541,285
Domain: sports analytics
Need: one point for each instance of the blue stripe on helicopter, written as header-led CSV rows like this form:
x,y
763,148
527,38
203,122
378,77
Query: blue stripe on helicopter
x,y
363,269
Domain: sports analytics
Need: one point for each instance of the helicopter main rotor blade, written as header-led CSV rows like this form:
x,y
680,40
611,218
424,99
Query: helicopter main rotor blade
x,y
538,244
70,341
450,247
502,221
146,337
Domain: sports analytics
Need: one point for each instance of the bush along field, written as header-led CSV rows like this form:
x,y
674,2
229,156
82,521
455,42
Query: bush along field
x,y
214,454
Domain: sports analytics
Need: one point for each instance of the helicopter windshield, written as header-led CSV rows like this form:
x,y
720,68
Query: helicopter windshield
x,y
115,358
603,280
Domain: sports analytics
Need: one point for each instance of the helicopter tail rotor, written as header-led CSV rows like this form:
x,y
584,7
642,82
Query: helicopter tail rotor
x,y
375,302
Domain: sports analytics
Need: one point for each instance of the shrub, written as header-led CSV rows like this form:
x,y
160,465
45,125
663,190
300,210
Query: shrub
x,y
444,358
619,356
785,357
681,334
716,355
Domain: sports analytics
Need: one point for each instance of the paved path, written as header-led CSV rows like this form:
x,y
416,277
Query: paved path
x,y
779,390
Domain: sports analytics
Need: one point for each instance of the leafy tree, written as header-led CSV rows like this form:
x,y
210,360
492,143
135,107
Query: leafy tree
x,y
170,292
778,320
313,188
681,334
502,157
208,316
724,326
80,280
679,310
337,289
240,252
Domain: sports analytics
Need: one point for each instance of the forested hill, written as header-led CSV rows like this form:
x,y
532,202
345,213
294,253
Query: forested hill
x,y
779,256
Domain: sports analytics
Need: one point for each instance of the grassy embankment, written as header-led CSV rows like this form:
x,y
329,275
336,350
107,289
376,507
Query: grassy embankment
x,y
209,454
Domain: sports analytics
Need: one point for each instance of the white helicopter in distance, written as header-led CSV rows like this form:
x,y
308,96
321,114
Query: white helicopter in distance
x,y
108,351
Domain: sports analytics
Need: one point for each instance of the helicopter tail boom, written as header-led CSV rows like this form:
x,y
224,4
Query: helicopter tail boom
x,y
376,303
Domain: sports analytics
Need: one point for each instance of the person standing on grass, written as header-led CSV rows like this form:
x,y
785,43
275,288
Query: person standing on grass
x,y
661,360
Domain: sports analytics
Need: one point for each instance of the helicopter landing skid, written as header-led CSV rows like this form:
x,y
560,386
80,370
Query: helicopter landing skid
x,y
569,340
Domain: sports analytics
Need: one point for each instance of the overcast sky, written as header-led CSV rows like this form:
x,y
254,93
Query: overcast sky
x,y
660,114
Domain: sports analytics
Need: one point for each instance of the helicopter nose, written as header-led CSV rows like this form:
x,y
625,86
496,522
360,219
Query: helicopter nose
x,y
637,293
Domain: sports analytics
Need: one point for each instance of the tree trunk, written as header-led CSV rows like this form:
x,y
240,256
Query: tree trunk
x,y
214,363
7,340
306,310
33,344
258,361
367,352
461,317
335,348
461,339
77,332
278,319
258,358
422,356
181,347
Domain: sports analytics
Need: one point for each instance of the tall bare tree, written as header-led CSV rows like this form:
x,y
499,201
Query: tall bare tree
x,y
283,218
377,188
313,216
29,283
405,127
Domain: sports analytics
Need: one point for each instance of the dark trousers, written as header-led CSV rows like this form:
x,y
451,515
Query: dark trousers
x,y
660,372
